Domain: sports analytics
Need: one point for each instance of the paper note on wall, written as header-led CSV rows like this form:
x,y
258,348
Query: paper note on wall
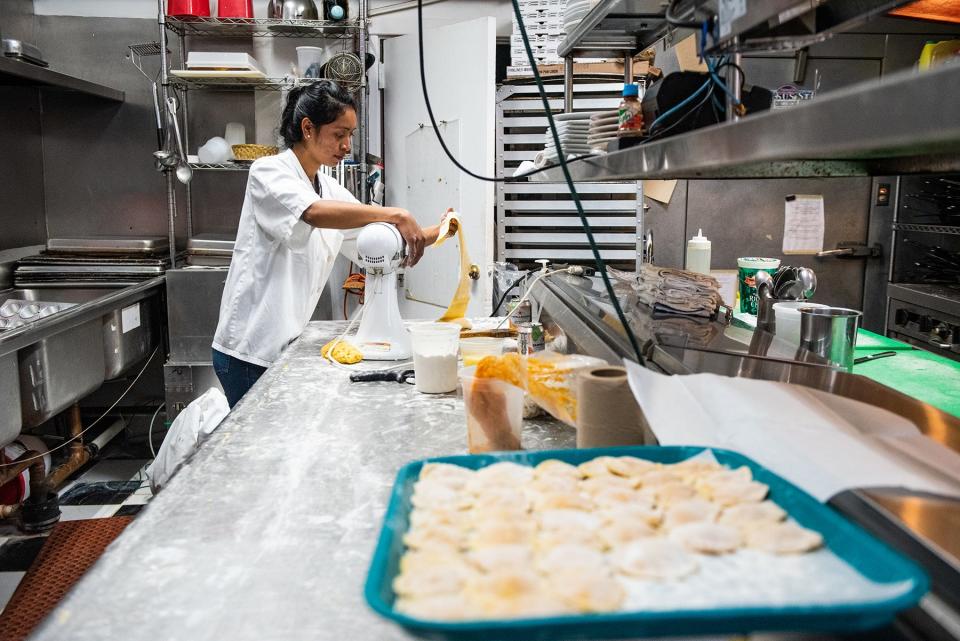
x,y
728,279
803,224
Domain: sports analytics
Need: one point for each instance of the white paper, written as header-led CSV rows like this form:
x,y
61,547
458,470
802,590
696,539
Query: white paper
x,y
729,280
130,318
820,442
803,224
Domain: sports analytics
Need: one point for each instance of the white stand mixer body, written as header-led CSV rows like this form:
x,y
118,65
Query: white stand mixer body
x,y
382,335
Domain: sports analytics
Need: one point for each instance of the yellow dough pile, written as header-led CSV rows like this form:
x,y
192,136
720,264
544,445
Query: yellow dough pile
x,y
343,352
510,540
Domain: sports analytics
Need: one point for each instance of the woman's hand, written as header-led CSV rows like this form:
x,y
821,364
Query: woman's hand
x,y
409,228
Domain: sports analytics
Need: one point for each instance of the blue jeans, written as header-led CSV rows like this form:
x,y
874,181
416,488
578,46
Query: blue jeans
x,y
236,376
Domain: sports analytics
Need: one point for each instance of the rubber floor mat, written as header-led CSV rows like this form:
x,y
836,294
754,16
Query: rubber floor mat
x,y
69,551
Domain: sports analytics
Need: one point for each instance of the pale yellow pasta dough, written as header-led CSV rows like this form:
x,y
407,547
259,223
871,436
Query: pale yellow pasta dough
x,y
596,467
501,533
418,560
554,467
551,484
504,474
497,557
783,538
441,607
659,477
570,557
673,492
511,592
587,590
565,519
733,492
656,559
708,538
431,580
690,511
438,497
622,531
446,473
630,466
597,483
645,512
549,539
562,501
434,537
613,497
747,515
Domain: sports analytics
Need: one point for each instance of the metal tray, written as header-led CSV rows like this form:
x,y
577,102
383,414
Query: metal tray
x,y
866,555
109,245
211,244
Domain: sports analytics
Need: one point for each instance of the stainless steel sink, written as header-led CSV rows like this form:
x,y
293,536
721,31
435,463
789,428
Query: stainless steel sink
x,y
57,371
130,332
63,366
10,415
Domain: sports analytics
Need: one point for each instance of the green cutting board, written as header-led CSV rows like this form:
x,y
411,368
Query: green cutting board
x,y
920,374
870,342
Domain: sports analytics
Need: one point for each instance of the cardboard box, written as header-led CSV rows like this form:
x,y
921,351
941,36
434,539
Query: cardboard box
x,y
640,69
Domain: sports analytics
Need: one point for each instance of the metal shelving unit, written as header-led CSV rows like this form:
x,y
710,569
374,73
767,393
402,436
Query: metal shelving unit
x,y
220,166
16,72
227,83
211,27
902,124
616,27
261,28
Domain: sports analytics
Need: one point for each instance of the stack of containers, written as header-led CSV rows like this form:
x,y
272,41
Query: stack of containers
x,y
544,21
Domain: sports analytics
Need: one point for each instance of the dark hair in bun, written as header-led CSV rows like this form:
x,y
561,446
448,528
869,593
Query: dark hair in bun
x,y
322,102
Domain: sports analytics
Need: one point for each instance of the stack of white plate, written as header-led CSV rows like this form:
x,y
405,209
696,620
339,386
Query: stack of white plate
x,y
602,129
574,12
572,130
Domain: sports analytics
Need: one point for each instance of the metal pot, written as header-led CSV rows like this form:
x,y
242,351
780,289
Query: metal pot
x,y
292,10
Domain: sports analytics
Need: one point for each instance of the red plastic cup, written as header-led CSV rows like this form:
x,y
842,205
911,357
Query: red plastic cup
x,y
235,8
188,8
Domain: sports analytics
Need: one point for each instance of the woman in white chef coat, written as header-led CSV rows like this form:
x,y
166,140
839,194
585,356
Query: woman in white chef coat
x,y
293,223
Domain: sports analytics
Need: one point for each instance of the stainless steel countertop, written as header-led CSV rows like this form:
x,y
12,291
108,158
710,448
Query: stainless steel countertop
x,y
268,531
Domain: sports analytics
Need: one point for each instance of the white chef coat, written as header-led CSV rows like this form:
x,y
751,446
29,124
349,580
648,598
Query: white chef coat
x,y
280,263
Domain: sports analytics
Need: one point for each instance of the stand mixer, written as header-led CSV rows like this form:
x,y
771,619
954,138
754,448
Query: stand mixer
x,y
382,336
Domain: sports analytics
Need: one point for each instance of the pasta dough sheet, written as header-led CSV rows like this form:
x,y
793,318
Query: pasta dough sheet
x,y
457,310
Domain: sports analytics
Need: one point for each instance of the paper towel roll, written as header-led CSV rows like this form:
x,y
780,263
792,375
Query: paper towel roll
x,y
607,412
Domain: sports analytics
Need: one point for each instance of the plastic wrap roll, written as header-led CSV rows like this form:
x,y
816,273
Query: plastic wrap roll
x,y
607,412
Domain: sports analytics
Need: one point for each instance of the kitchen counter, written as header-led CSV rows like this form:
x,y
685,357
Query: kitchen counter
x,y
268,531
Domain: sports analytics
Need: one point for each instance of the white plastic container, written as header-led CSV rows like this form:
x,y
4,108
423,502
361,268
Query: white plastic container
x,y
435,348
307,56
698,254
235,134
494,412
473,350
787,315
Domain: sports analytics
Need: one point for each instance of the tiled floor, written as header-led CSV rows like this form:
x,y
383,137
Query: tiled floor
x,y
116,484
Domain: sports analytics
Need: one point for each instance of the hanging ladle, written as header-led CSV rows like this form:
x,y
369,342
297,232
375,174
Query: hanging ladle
x,y
184,171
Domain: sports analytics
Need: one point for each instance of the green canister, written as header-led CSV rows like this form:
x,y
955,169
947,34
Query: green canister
x,y
749,267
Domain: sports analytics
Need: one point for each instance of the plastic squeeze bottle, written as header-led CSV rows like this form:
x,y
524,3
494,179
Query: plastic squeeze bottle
x,y
630,113
698,254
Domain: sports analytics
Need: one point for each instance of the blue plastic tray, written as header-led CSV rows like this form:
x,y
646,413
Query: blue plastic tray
x,y
872,558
